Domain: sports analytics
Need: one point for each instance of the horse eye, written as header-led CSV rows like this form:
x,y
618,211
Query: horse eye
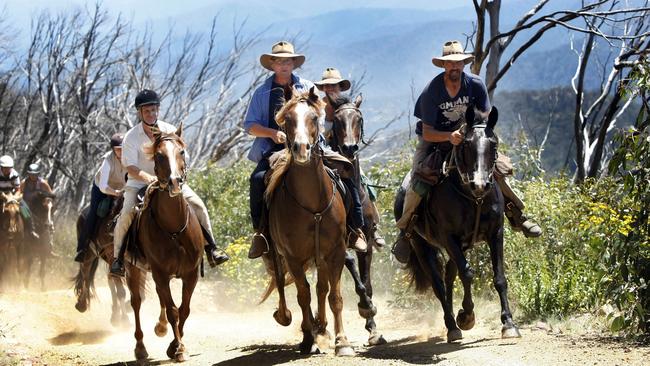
x,y
182,152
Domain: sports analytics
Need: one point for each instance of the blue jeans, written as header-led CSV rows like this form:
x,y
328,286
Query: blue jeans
x,y
256,192
96,196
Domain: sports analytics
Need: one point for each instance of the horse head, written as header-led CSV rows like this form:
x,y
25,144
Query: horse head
x,y
347,129
299,118
477,154
169,160
11,210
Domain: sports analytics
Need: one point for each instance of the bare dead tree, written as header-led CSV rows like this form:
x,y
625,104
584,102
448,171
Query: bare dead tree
x,y
619,24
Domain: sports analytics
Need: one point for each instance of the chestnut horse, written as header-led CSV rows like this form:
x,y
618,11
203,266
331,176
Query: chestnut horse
x,y
465,208
169,235
100,247
41,209
307,223
347,134
11,236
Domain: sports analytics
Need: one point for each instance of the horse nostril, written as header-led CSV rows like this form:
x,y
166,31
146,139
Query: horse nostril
x,y
308,146
294,147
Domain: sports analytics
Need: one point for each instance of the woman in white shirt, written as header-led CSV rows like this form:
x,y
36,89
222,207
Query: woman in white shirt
x,y
109,182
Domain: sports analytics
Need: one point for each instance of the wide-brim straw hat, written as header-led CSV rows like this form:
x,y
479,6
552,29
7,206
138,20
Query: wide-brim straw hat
x,y
282,49
452,51
332,76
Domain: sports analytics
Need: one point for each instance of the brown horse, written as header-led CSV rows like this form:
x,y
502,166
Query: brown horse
x,y
100,247
41,209
307,224
11,236
347,134
170,237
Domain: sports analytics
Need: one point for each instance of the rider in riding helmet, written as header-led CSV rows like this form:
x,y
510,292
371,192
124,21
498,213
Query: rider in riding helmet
x,y
10,183
108,184
332,84
34,188
441,109
140,169
260,122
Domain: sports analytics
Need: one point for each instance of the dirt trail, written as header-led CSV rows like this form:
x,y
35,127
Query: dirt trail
x,y
45,328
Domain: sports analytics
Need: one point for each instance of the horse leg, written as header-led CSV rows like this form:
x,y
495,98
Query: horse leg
x,y
466,318
161,326
114,305
121,300
366,309
282,315
189,283
82,286
429,261
365,262
336,263
136,287
322,287
304,300
509,329
166,300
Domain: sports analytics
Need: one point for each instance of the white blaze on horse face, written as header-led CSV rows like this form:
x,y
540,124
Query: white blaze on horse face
x,y
350,140
174,171
480,174
301,137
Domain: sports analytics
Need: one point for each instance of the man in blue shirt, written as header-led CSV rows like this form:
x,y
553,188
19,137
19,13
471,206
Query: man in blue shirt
x,y
441,111
260,122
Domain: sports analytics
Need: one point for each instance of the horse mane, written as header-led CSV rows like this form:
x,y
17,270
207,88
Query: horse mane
x,y
150,147
315,103
339,101
279,163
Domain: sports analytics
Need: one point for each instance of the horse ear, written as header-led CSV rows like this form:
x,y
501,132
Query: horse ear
x,y
313,97
179,130
493,117
470,115
358,100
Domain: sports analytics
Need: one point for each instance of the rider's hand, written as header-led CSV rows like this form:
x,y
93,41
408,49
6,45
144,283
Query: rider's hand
x,y
456,137
279,137
148,178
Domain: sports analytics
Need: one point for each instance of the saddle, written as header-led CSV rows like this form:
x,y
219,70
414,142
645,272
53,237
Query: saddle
x,y
431,170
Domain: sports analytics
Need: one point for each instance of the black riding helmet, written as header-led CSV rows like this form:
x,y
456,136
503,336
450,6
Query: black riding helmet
x,y
116,139
146,97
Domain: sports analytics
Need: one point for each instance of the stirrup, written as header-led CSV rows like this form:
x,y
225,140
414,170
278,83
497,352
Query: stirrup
x,y
254,251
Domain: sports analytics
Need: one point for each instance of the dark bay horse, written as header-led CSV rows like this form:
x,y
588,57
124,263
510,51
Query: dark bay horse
x,y
100,248
169,235
11,236
347,134
466,207
41,248
307,224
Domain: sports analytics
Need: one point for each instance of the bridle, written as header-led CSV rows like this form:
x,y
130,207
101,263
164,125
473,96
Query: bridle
x,y
163,184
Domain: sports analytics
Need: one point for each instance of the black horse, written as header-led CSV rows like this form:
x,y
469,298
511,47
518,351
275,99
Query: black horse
x,y
347,134
466,207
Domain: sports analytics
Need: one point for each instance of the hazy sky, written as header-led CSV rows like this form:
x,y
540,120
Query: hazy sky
x,y
20,11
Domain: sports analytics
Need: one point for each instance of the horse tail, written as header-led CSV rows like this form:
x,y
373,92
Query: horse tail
x,y
419,275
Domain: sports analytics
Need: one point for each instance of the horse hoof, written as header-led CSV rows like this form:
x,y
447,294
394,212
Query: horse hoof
x,y
282,320
81,307
465,321
510,332
454,335
141,353
180,357
160,329
309,349
345,351
367,313
376,340
172,350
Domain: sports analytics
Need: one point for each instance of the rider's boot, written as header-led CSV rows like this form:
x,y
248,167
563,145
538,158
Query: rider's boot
x,y
357,240
215,256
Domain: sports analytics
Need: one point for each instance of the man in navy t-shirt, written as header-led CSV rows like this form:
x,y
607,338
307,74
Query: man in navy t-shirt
x,y
441,110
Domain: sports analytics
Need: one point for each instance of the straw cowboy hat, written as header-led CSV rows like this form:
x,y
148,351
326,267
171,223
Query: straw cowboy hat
x,y
452,51
332,76
282,49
